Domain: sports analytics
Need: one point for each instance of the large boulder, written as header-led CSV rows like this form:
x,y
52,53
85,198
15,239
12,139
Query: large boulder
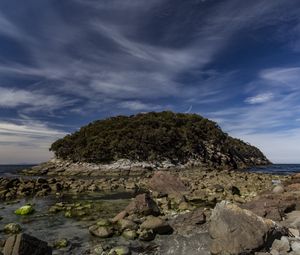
x,y
188,222
166,183
273,207
23,244
143,205
236,231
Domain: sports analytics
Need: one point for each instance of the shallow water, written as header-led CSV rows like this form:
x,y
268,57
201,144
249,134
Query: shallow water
x,y
51,227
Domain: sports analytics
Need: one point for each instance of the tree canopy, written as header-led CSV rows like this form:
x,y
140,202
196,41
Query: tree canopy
x,y
154,136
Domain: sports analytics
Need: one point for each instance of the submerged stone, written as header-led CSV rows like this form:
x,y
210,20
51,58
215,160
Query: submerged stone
x,y
120,250
102,231
63,243
24,210
12,228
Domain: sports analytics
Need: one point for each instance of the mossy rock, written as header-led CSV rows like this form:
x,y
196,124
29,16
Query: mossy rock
x,y
129,234
103,223
59,244
25,210
68,214
12,228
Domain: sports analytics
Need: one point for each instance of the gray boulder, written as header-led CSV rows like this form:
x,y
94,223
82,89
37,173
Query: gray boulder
x,y
23,244
236,231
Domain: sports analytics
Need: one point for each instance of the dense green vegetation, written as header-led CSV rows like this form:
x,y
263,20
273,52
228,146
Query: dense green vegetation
x,y
153,137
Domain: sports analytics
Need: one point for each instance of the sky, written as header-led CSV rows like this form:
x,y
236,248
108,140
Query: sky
x,y
66,63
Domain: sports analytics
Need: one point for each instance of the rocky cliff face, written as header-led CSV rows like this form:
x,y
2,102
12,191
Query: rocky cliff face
x,y
162,140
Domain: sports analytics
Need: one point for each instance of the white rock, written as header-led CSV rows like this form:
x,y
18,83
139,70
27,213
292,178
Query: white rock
x,y
294,232
278,189
282,245
296,246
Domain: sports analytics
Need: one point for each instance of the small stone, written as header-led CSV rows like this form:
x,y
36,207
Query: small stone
x,y
102,231
282,245
275,252
12,228
183,206
294,232
98,250
235,190
146,235
103,223
63,243
296,247
24,210
68,214
120,250
278,189
129,234
127,224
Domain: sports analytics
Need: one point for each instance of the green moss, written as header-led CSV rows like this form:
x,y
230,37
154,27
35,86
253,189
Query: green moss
x,y
153,137
24,210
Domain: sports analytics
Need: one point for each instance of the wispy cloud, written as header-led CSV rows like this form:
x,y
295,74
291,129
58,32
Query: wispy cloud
x,y
259,99
268,119
286,76
11,98
139,106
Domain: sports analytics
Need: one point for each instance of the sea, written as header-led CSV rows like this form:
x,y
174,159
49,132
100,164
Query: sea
x,y
281,169
12,170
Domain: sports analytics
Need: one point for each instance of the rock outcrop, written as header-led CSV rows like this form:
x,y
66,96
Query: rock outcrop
x,y
235,231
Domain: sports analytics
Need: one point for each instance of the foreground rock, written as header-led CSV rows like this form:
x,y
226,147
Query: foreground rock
x,y
236,231
24,244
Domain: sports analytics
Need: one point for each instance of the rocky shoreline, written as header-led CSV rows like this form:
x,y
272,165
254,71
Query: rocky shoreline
x,y
173,211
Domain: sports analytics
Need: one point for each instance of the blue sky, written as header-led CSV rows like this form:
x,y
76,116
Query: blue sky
x,y
66,63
